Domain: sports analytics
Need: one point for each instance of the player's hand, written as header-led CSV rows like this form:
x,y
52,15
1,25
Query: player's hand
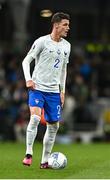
x,y
30,84
62,96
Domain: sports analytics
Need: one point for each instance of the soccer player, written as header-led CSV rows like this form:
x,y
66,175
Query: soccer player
x,y
47,84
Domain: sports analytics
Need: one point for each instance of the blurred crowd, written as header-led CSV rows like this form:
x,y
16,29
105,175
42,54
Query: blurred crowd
x,y
88,79
13,95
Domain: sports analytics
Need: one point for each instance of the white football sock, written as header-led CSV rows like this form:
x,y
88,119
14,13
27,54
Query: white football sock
x,y
31,133
48,141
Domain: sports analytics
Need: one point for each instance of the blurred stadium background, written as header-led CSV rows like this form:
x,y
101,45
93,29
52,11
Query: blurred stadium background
x,y
86,114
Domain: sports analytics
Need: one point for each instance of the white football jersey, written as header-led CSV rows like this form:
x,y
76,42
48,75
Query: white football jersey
x,y
49,58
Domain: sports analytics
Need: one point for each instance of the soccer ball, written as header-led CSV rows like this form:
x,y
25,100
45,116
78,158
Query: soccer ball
x,y
57,160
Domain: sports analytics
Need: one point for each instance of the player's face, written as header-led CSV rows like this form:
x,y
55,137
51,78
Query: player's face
x,y
63,27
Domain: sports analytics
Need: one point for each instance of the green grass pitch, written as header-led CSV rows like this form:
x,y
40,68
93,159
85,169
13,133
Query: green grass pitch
x,y
89,161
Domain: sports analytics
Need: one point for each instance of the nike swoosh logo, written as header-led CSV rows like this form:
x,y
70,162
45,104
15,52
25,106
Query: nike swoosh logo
x,y
51,51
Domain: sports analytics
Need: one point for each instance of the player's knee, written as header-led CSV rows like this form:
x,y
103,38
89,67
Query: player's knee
x,y
54,127
35,119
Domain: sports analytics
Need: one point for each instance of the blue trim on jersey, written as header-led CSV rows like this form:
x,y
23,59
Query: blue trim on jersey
x,y
51,102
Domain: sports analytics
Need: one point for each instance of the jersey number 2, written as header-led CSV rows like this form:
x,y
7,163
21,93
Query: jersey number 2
x,y
56,63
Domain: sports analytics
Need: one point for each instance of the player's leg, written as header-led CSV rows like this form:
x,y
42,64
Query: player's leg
x,y
35,113
32,128
35,105
52,109
48,142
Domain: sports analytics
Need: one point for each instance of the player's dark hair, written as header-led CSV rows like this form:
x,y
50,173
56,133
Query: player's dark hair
x,y
57,17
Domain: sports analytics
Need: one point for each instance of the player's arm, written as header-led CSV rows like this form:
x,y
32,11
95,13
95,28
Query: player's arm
x,y
26,69
32,54
62,83
63,76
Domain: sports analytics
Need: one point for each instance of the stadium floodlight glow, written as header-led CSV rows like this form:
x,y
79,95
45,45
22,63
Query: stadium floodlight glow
x,y
46,13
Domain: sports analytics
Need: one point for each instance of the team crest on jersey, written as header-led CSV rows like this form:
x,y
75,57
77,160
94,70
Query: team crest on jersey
x,y
37,101
58,52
